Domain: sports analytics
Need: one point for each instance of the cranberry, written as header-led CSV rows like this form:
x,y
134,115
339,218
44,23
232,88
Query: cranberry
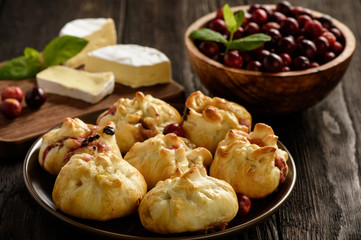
x,y
239,33
289,26
326,21
259,16
277,17
284,7
286,69
280,163
209,48
328,56
307,48
303,19
337,47
300,63
244,203
174,128
298,11
322,45
246,56
286,58
313,28
273,63
218,25
11,107
330,38
253,7
220,13
12,92
35,97
275,35
251,28
262,54
314,64
270,25
233,59
254,66
287,45
336,33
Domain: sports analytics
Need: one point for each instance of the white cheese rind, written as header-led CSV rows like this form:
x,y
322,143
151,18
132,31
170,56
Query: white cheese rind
x,y
65,81
132,65
99,32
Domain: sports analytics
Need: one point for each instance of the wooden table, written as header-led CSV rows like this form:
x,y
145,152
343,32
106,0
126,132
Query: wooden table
x,y
325,140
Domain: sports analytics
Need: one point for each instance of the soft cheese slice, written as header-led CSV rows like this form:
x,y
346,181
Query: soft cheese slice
x,y
66,81
132,65
100,32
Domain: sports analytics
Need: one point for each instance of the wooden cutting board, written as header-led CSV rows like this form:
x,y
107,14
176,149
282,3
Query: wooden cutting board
x,y
17,134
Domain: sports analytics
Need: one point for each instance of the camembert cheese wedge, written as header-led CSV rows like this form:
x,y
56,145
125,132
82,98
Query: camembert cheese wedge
x,y
132,65
66,81
100,32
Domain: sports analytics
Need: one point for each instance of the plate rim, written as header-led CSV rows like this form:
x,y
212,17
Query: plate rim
x,y
228,231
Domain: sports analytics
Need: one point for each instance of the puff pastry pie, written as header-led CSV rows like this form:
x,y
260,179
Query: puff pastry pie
x,y
207,120
191,202
75,136
139,118
100,187
253,164
164,156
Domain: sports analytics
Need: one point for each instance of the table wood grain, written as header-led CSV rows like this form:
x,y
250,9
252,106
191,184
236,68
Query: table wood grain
x,y
325,141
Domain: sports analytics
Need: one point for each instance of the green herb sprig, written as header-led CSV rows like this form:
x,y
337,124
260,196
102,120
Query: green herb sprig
x,y
55,52
233,22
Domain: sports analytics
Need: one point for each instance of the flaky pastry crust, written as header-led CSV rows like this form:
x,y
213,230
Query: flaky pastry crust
x,y
139,118
207,120
191,202
98,188
164,156
75,136
253,164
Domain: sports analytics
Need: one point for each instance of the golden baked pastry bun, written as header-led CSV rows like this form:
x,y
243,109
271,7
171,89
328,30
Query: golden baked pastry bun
x,y
139,118
75,136
100,187
165,156
191,202
206,120
252,164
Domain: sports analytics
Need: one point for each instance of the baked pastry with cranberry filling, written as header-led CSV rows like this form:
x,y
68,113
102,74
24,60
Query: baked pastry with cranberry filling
x,y
253,164
207,120
189,203
164,156
100,187
75,136
139,118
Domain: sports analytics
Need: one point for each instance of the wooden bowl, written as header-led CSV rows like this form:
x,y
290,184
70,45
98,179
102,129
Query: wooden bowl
x,y
270,93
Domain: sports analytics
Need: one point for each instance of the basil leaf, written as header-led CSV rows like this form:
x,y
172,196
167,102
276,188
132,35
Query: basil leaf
x,y
20,68
61,49
239,18
31,53
207,34
229,19
250,42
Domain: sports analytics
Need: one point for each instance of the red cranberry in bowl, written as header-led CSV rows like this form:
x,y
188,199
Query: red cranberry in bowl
x,y
284,7
254,66
289,26
287,45
300,63
273,63
313,29
210,49
233,59
218,25
277,17
307,48
322,45
259,16
251,28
